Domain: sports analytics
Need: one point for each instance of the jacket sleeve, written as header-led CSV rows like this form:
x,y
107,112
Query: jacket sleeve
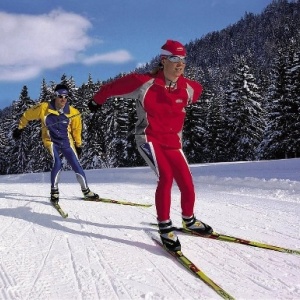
x,y
33,113
125,87
76,127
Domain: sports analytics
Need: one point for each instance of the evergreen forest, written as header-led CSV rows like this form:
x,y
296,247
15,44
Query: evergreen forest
x,y
249,110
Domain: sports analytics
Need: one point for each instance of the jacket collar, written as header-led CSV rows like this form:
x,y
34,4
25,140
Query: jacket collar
x,y
160,80
66,109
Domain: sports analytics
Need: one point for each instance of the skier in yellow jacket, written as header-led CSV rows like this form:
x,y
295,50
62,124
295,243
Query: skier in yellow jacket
x,y
61,135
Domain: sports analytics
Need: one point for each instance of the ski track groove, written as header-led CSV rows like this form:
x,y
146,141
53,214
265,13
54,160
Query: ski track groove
x,y
259,271
258,279
11,223
258,274
274,197
8,285
79,286
93,274
288,235
195,282
117,289
106,266
167,280
88,256
7,227
16,241
20,235
41,268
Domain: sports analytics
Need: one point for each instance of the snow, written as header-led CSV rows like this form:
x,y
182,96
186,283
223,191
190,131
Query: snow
x,y
103,251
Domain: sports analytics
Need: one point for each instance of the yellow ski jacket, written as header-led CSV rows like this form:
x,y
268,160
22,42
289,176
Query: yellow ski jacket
x,y
61,128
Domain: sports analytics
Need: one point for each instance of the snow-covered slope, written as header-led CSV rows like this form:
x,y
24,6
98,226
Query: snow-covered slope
x,y
103,251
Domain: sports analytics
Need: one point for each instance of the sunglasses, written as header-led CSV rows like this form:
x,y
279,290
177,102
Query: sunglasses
x,y
63,96
176,59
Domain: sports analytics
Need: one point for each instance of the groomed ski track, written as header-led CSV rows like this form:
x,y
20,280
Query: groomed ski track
x,y
103,251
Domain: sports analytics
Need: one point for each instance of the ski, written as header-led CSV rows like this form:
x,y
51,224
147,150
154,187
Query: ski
x,y
60,210
237,240
118,202
190,266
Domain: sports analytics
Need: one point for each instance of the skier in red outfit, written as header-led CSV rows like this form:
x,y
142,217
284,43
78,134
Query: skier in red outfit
x,y
162,96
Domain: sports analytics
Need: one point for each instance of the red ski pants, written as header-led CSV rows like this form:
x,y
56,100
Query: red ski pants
x,y
170,165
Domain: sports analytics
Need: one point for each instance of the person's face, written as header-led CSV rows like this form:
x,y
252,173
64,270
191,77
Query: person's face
x,y
173,66
60,101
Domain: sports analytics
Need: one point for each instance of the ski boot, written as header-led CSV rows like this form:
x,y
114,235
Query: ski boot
x,y
168,236
192,224
54,196
89,195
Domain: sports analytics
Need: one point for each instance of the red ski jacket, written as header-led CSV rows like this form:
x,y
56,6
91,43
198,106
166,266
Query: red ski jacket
x,y
160,109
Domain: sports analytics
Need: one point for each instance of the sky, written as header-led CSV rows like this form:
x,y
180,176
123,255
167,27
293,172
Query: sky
x,y
45,39
105,251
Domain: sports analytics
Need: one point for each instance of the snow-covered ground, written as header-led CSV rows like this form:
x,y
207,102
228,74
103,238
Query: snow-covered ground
x,y
103,251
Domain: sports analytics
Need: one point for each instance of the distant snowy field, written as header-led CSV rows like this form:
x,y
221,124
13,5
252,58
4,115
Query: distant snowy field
x,y
103,251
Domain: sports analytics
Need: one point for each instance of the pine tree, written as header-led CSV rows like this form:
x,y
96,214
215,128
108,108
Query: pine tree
x,y
243,115
93,135
133,156
281,138
293,96
6,140
46,93
215,145
20,155
194,125
38,150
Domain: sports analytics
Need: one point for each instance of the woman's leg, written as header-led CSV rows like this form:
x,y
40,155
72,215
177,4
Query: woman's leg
x,y
184,180
155,157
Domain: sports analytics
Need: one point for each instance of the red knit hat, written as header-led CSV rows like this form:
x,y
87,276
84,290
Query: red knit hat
x,y
172,48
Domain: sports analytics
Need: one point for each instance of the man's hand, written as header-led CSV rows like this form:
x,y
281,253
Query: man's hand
x,y
17,133
93,106
79,151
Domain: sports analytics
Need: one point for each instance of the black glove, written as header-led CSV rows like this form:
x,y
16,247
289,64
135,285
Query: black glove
x,y
79,151
93,106
17,133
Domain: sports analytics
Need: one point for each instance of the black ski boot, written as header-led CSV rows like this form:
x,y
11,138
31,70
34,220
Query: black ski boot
x,y
54,196
168,236
89,195
195,225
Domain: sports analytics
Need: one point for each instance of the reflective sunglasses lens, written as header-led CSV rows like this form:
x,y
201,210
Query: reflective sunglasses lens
x,y
176,59
63,96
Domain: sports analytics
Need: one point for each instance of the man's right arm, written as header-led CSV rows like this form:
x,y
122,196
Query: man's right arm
x,y
33,113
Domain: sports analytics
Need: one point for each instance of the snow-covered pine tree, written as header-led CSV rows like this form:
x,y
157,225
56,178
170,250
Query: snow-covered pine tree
x,y
281,137
243,114
92,134
214,143
20,157
194,125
